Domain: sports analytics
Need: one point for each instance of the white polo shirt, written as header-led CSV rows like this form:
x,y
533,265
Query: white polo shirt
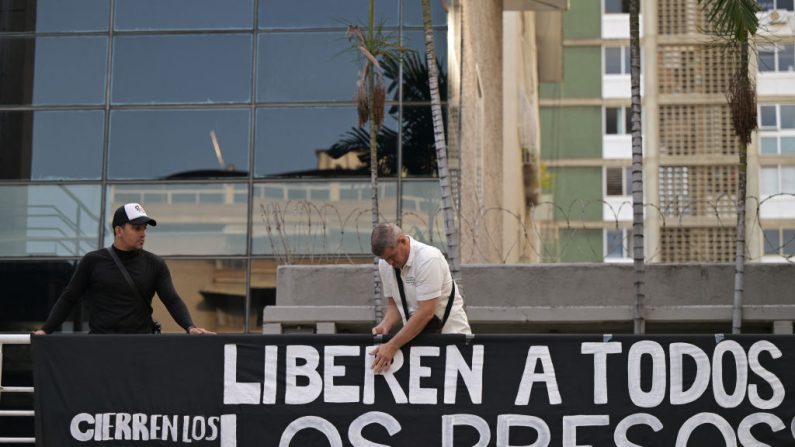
x,y
425,276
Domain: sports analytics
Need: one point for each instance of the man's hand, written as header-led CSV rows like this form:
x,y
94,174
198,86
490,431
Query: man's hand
x,y
381,329
39,332
383,357
193,330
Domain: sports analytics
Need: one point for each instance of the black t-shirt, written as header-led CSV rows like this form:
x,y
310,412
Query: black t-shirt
x,y
113,306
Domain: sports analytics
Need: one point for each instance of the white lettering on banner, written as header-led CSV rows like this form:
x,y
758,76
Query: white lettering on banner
x,y
535,355
228,430
78,433
722,398
744,429
600,351
302,394
570,424
656,394
417,394
774,382
506,421
676,353
706,418
123,430
116,427
338,393
236,392
373,417
473,376
369,379
271,367
449,421
620,434
315,422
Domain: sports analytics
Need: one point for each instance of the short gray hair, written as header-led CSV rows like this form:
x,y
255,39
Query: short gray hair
x,y
384,235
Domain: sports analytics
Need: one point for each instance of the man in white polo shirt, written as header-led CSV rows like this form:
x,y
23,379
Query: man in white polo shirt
x,y
424,303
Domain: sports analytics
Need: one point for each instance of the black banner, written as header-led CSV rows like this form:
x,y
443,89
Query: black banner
x,y
443,390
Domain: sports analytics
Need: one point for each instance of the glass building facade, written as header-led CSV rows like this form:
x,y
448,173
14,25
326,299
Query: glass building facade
x,y
231,121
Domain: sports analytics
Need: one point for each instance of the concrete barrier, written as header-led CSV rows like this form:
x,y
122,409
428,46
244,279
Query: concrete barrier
x,y
555,296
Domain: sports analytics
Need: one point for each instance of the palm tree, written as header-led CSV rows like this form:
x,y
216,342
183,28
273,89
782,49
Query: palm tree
x,y
639,266
370,99
734,23
419,157
441,147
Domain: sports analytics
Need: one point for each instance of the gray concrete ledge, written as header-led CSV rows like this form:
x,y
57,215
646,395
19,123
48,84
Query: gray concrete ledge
x,y
551,294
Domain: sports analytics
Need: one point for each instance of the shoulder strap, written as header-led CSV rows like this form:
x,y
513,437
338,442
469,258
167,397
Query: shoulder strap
x,y
125,273
406,308
402,295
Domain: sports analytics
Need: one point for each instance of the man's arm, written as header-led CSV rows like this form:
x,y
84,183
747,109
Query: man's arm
x,y
70,296
386,352
391,317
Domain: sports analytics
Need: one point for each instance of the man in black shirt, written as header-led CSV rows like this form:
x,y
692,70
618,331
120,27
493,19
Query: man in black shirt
x,y
114,307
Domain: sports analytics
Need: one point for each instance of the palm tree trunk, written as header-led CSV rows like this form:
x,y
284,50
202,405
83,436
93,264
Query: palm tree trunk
x,y
377,305
639,268
448,208
739,254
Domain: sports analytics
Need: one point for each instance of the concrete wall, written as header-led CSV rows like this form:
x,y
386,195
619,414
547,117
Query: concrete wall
x,y
554,285
691,298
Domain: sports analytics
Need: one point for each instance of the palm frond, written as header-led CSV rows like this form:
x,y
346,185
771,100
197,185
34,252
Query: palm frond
x,y
733,19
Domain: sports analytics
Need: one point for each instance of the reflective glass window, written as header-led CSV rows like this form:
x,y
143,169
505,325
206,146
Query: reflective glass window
x,y
769,145
412,13
415,40
772,241
787,145
423,217
767,116
613,185
766,59
616,6
67,145
612,120
297,142
788,179
769,181
192,218
786,58
613,60
182,68
54,16
49,220
46,73
788,242
183,14
30,289
306,67
788,5
214,291
324,13
288,225
178,143
615,244
419,151
787,116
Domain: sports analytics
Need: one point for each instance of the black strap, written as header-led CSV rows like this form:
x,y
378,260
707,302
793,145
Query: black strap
x,y
126,274
406,307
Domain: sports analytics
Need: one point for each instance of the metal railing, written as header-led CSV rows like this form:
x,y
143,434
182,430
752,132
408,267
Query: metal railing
x,y
14,339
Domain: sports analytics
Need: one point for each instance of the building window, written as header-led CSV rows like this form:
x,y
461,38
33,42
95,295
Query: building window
x,y
618,244
777,129
770,5
778,58
616,61
780,242
778,180
617,120
616,6
618,181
